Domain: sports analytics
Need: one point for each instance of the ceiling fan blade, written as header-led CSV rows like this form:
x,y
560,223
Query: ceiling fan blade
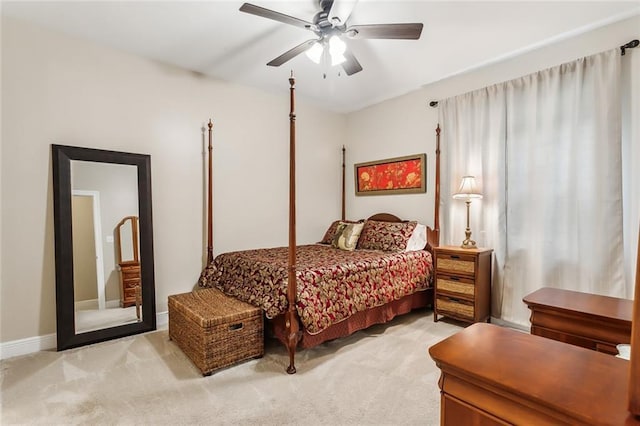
x,y
386,31
292,53
276,16
341,10
351,65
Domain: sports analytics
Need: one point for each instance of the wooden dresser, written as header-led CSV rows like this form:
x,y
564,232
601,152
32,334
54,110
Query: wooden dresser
x,y
463,283
130,281
494,376
588,320
128,258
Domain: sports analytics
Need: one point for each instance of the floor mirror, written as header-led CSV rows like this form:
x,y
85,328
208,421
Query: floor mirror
x,y
103,245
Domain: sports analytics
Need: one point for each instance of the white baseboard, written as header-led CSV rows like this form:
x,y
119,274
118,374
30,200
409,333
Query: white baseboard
x,y
27,346
112,304
48,342
503,323
162,319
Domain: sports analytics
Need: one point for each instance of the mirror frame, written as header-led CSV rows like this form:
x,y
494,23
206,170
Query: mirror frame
x,y
65,310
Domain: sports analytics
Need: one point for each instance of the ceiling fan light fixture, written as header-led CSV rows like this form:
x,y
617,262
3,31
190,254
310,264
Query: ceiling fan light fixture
x,y
337,59
337,47
315,52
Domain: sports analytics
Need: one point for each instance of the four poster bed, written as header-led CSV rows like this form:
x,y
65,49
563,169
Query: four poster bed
x,y
314,293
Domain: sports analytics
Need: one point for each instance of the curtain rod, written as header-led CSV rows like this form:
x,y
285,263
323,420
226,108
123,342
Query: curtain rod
x,y
630,45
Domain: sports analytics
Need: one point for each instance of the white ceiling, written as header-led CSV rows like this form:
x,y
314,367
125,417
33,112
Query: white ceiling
x,y
216,39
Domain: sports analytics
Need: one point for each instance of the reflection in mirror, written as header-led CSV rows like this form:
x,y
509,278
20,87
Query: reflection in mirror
x,y
129,263
127,238
102,194
103,245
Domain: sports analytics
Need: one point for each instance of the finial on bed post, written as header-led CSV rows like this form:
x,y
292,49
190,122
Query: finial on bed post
x,y
291,316
207,273
343,185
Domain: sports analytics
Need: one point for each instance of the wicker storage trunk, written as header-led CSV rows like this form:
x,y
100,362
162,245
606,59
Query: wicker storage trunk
x,y
215,330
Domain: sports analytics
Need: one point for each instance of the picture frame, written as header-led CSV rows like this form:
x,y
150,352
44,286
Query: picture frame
x,y
399,175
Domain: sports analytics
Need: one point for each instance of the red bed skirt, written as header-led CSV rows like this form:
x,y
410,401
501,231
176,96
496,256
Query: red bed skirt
x,y
357,321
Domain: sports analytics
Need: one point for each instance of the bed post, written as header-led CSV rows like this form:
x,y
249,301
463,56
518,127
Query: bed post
x,y
210,269
433,235
292,324
210,199
344,213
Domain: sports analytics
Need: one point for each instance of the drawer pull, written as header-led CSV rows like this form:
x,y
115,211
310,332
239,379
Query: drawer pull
x,y
454,278
237,326
455,256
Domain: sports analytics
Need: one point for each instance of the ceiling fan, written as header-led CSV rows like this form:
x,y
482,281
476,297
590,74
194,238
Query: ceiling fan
x,y
331,26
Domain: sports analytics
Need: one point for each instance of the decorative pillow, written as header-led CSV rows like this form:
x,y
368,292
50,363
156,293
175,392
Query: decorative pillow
x,y
418,239
347,235
387,236
331,232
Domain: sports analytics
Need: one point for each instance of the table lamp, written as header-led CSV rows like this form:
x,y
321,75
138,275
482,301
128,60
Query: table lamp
x,y
467,191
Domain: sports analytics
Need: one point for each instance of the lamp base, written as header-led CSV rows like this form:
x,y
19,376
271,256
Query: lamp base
x,y
468,244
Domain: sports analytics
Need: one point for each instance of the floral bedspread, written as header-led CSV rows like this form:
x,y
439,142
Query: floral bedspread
x,y
332,285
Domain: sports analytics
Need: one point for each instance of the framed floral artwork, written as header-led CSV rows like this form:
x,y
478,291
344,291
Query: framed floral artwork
x,y
401,175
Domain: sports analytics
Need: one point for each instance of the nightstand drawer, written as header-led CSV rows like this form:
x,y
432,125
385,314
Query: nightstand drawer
x,y
455,307
457,285
456,263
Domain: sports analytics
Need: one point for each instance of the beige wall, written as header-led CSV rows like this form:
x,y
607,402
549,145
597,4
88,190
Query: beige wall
x,y
57,89
405,125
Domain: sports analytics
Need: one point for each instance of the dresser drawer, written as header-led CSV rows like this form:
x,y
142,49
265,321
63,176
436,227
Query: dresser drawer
x,y
132,283
457,308
457,285
456,263
130,293
130,272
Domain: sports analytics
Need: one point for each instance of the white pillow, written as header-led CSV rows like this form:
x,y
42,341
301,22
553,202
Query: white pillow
x,y
418,239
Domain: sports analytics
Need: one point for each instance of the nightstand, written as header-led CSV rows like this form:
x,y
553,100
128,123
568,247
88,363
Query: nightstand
x,y
463,283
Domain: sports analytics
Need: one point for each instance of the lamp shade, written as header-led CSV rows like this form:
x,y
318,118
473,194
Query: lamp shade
x,y
468,189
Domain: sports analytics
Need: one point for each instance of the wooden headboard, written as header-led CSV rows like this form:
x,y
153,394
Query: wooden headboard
x,y
385,217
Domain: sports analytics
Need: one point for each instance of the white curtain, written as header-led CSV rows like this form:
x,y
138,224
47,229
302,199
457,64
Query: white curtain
x,y
546,151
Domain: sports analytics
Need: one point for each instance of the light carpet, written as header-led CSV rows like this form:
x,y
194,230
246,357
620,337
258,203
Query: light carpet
x,y
379,376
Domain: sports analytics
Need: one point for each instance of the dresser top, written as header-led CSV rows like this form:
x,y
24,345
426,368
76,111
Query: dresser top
x,y
459,249
551,375
585,304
